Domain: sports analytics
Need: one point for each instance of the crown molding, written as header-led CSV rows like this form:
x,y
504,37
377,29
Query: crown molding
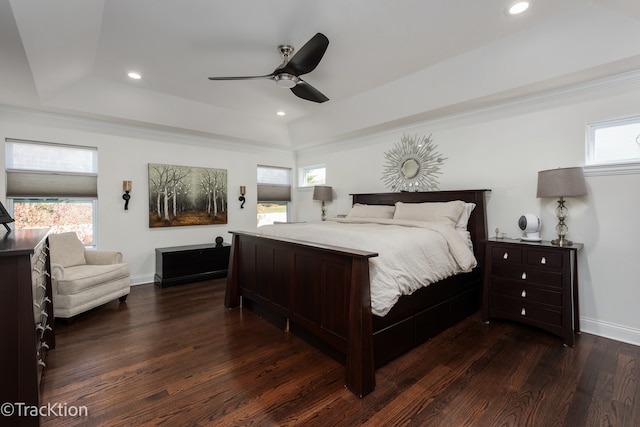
x,y
140,130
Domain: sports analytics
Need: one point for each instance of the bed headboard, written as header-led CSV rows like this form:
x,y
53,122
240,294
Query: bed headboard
x,y
477,225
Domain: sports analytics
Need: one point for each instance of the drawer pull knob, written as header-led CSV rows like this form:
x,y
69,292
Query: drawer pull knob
x,y
524,276
523,294
543,260
506,255
523,312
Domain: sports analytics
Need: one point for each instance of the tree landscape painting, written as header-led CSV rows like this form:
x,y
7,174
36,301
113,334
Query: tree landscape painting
x,y
182,195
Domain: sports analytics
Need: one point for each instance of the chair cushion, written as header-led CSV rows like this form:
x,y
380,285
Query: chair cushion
x,y
82,277
66,249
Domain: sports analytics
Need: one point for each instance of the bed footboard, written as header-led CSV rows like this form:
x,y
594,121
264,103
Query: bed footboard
x,y
322,293
319,290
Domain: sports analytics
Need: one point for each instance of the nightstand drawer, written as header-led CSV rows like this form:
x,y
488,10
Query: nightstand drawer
x,y
506,254
527,274
525,311
526,292
544,259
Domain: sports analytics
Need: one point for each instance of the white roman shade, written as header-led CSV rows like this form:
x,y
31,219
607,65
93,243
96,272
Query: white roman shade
x,y
38,169
274,184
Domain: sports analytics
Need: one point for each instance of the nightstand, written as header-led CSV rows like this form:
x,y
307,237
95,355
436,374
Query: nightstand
x,y
534,283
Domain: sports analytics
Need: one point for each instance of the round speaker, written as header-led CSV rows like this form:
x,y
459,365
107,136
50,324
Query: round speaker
x,y
530,224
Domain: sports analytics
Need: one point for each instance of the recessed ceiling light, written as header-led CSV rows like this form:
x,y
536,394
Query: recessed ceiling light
x,y
518,7
134,75
281,113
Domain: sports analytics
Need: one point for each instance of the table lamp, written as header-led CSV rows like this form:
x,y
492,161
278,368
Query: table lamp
x,y
323,193
561,182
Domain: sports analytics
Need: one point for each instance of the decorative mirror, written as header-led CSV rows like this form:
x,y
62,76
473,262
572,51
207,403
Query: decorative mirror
x,y
413,164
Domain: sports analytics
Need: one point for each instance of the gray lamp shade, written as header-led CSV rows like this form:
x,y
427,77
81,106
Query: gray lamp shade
x,y
561,182
323,192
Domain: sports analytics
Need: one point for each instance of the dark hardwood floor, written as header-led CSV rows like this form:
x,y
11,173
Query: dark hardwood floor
x,y
177,357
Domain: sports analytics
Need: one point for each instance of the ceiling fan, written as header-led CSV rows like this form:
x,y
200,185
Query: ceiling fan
x,y
287,75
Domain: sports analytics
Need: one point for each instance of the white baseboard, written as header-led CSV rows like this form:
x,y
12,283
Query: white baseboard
x,y
610,330
142,279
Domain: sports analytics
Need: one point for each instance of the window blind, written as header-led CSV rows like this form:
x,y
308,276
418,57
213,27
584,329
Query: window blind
x,y
274,184
39,169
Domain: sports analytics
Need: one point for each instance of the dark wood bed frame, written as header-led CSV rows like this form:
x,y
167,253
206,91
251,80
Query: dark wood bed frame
x,y
321,292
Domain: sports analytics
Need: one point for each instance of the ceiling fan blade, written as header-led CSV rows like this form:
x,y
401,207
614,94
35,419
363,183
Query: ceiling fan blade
x,y
305,91
307,58
268,76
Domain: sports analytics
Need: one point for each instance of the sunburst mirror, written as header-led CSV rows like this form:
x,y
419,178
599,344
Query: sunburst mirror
x,y
413,164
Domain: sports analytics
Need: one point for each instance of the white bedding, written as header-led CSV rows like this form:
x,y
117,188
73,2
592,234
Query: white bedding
x,y
411,254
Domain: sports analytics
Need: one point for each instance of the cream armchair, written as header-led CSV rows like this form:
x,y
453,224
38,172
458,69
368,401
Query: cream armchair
x,y
83,279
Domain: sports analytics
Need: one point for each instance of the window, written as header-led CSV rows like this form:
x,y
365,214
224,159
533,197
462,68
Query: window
x,y
61,215
53,185
614,142
312,175
274,194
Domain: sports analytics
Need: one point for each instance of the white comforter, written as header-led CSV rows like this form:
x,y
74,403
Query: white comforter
x,y
411,254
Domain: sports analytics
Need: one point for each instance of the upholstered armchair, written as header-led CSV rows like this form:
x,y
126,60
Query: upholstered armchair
x,y
82,278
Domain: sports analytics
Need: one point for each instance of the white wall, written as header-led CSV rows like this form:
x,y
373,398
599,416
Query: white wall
x,y
124,154
503,149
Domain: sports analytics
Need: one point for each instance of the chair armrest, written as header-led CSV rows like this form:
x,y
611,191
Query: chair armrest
x,y
57,271
102,257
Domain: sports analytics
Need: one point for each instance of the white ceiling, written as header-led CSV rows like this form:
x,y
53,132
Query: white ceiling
x,y
388,62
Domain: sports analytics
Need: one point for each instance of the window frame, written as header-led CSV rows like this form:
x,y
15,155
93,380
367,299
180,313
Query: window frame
x,y
68,178
616,167
272,188
304,171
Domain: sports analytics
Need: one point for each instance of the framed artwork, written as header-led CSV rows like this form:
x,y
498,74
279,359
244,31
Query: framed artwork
x,y
183,195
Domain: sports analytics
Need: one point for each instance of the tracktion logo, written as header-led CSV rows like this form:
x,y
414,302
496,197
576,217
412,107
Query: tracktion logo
x,y
21,409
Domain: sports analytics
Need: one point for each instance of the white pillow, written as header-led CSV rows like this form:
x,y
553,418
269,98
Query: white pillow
x,y
371,211
445,212
464,218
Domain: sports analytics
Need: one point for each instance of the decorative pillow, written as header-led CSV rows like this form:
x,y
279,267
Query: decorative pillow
x,y
446,212
464,218
371,211
66,249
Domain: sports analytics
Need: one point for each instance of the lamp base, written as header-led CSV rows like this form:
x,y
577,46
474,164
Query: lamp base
x,y
562,241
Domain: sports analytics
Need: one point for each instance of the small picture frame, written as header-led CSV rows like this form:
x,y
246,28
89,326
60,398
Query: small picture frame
x,y
5,218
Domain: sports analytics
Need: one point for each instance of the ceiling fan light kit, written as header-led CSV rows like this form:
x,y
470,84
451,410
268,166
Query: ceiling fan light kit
x,y
287,75
286,81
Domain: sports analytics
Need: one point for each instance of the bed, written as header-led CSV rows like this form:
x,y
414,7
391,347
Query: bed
x,y
322,292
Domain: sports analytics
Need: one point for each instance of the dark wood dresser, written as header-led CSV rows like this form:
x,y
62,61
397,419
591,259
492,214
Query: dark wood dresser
x,y
534,283
26,322
183,264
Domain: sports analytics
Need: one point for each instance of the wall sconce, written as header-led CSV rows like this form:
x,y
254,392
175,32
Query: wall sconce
x,y
126,187
243,190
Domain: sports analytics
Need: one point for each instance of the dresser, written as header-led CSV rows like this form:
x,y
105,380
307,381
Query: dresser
x,y
191,263
534,283
26,321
